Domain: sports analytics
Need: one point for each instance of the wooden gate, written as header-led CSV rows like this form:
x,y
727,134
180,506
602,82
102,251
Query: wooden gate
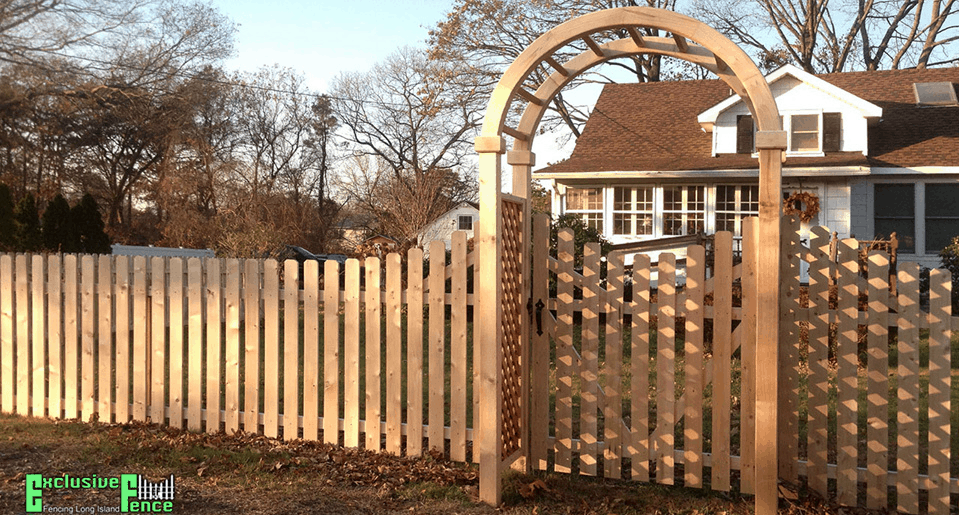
x,y
653,371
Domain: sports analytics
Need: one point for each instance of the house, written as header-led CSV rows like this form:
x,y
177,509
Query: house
x,y
462,217
878,151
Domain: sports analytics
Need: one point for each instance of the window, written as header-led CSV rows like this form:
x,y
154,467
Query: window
x,y
588,204
684,210
804,133
633,210
465,223
894,210
942,215
733,203
935,93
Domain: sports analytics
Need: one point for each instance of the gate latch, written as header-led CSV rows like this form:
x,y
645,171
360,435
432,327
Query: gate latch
x,y
539,317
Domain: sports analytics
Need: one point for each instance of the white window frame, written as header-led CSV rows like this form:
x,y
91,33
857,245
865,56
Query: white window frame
x,y
613,211
586,214
684,210
738,212
787,126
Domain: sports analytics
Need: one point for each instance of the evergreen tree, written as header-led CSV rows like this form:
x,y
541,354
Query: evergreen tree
x,y
59,229
8,227
89,227
27,222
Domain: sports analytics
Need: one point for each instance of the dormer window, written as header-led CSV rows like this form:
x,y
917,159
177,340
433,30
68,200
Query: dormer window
x,y
805,135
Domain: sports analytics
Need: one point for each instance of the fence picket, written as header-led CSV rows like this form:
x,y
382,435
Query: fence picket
x,y
311,350
907,376
6,335
88,369
458,348
141,337
23,337
394,354
233,348
939,390
251,326
156,356
271,348
104,336
214,353
564,352
722,359
788,366
613,419
693,416
176,341
665,368
351,355
373,376
818,360
55,342
589,371
414,353
291,350
747,416
847,396
437,344
639,450
539,350
877,343
122,317
38,355
331,352
477,350
194,397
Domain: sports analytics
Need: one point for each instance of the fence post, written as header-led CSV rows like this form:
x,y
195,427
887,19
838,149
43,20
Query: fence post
x,y
767,333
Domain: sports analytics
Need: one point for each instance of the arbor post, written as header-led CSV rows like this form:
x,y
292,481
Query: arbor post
x,y
488,323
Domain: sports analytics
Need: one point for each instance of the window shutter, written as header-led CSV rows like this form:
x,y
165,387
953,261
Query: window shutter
x,y
744,134
832,132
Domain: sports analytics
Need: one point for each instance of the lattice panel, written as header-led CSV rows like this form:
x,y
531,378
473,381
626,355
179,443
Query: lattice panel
x,y
512,325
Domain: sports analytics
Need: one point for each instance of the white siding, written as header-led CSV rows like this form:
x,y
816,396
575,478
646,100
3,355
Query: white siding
x,y
795,96
442,229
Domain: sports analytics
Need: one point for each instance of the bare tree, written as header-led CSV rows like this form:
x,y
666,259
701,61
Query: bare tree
x,y
487,35
829,36
409,124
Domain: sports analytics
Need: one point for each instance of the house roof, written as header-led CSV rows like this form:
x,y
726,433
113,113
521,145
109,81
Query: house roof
x,y
653,127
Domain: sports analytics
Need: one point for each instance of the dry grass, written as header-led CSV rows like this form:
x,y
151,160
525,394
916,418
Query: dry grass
x,y
256,475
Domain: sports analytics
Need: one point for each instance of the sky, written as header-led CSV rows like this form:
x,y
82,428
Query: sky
x,y
322,38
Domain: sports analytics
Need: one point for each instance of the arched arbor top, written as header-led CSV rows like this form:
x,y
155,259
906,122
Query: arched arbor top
x,y
691,41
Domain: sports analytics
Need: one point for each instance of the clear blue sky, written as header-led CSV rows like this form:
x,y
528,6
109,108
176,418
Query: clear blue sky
x,y
321,38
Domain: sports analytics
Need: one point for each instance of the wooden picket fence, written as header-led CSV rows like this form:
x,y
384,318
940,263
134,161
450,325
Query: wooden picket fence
x,y
653,372
641,373
203,344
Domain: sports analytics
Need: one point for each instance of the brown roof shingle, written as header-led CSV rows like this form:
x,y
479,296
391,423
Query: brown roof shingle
x,y
653,126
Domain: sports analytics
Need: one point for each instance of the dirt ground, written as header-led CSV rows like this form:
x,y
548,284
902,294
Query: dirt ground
x,y
249,474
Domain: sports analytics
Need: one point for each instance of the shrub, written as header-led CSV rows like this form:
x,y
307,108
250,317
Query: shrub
x,y
950,260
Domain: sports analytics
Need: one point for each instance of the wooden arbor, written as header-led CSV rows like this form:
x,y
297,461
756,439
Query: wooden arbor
x,y
502,327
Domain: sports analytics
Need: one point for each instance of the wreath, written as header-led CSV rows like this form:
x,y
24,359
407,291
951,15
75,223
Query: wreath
x,y
802,198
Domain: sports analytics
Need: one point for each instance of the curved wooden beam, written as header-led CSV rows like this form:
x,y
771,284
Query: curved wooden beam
x,y
682,28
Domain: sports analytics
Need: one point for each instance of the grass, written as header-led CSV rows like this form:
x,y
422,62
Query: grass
x,y
253,474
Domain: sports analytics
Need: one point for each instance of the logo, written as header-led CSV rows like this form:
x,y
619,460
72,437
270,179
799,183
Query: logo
x,y
137,493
